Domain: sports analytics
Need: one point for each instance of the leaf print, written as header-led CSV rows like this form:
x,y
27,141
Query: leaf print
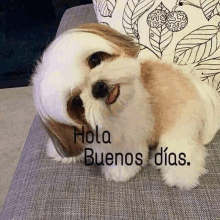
x,y
160,38
209,67
133,10
210,8
162,7
210,70
106,7
142,47
158,16
197,45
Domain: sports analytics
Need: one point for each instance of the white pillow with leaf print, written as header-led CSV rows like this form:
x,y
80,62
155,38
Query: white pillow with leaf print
x,y
183,32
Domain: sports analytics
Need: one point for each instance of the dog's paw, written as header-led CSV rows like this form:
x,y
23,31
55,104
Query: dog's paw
x,y
184,177
70,159
120,173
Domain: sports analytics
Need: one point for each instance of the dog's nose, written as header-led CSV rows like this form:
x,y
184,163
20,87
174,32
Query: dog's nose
x,y
100,89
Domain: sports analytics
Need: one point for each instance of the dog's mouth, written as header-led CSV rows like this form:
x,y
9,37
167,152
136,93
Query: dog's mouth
x,y
113,95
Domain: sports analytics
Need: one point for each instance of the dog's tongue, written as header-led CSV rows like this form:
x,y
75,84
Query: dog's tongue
x,y
113,95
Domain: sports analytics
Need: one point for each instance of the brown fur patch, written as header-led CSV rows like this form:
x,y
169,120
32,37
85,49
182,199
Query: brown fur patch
x,y
169,92
62,136
124,42
76,110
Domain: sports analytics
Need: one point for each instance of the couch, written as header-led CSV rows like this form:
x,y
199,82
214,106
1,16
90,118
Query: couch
x,y
44,189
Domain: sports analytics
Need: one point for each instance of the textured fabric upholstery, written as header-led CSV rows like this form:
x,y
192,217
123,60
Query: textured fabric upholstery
x,y
76,16
48,190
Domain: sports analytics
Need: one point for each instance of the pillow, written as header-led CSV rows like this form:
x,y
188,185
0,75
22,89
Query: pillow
x,y
186,33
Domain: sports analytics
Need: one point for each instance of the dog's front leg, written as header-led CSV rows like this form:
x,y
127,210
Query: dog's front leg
x,y
128,165
180,156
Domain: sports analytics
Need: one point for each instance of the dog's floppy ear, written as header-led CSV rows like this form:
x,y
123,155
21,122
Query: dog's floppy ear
x,y
64,138
122,41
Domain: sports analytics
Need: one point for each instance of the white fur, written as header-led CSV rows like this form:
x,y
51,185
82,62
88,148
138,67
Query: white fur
x,y
193,130
130,119
60,58
132,101
51,152
183,139
210,100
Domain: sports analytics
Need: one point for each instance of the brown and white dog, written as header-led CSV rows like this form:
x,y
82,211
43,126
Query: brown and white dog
x,y
89,85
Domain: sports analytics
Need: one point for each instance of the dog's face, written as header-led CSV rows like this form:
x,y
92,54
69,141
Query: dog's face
x,y
85,77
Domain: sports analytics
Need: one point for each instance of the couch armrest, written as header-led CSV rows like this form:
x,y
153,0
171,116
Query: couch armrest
x,y
76,16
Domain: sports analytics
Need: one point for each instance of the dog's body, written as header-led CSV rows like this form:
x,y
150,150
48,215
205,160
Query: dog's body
x,y
90,77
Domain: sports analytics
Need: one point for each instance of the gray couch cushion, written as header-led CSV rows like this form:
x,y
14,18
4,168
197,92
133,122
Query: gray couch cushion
x,y
45,189
76,16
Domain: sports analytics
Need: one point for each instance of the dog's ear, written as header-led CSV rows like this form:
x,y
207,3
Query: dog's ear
x,y
124,42
68,140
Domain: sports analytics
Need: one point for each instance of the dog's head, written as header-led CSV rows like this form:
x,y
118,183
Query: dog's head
x,y
84,78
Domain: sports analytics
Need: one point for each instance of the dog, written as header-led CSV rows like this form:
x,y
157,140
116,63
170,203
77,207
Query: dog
x,y
100,103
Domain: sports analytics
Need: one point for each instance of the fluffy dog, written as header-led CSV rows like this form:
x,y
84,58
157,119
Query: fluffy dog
x,y
92,92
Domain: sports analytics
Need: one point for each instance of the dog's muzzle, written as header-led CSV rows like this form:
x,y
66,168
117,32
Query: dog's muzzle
x,y
101,90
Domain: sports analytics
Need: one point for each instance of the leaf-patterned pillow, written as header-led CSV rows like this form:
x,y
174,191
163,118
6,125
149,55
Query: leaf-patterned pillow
x,y
185,32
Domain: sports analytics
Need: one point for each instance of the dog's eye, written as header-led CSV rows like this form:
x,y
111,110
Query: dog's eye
x,y
95,59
